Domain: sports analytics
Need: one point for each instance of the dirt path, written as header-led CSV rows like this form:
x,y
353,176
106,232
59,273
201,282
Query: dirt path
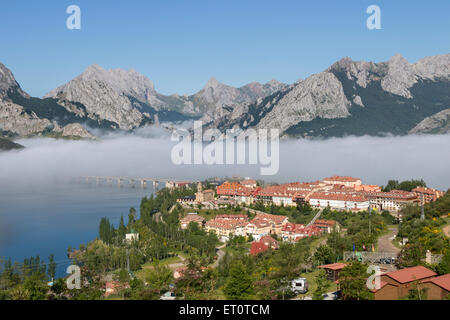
x,y
385,242
447,230
177,265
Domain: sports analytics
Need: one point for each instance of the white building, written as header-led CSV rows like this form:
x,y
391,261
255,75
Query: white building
x,y
130,237
339,201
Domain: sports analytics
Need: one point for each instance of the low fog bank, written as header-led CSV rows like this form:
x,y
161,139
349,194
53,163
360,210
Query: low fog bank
x,y
148,154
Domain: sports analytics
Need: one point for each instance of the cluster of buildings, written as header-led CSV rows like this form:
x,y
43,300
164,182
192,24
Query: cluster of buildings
x,y
336,192
261,226
397,284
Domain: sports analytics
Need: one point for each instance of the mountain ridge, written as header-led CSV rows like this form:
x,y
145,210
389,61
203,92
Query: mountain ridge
x,y
349,97
336,101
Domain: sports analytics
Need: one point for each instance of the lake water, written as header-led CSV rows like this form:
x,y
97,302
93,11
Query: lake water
x,y
40,220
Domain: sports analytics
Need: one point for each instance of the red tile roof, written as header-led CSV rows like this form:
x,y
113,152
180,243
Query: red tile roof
x,y
342,179
393,194
271,217
441,281
232,216
226,224
269,241
260,223
258,247
322,222
338,196
382,285
248,182
425,190
410,274
334,266
293,227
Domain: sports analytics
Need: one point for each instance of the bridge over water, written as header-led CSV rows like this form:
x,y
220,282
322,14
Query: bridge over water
x,y
132,181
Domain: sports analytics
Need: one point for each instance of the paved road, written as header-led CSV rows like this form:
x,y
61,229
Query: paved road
x,y
220,253
315,217
385,242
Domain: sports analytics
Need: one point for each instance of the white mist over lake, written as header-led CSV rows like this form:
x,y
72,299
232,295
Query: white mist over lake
x,y
373,159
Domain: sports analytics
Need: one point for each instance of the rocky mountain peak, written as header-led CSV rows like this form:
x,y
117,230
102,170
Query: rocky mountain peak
x,y
7,80
398,58
342,64
213,83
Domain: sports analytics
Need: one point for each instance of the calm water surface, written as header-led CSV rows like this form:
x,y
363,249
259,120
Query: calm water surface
x,y
40,220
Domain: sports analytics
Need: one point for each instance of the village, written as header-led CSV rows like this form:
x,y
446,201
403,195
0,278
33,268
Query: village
x,y
337,193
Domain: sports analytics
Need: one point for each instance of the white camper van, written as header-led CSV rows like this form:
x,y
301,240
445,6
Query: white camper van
x,y
300,285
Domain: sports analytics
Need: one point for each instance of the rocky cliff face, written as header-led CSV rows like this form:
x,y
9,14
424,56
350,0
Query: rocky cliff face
x,y
350,97
15,120
104,93
76,130
7,82
438,123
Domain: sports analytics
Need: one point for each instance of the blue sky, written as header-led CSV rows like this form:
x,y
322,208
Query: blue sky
x,y
181,44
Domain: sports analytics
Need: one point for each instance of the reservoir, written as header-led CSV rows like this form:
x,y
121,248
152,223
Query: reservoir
x,y
46,219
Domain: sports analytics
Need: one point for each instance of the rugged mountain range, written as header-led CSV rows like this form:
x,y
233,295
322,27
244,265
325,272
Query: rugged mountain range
x,y
111,99
128,98
352,98
348,98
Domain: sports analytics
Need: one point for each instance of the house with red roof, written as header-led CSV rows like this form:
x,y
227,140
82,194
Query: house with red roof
x,y
292,231
333,270
249,183
343,180
397,284
427,194
339,201
264,244
326,225
437,288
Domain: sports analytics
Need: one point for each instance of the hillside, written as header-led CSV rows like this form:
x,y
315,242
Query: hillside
x,y
351,98
6,145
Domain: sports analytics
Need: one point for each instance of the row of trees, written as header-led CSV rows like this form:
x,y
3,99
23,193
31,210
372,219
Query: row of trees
x,y
406,185
27,280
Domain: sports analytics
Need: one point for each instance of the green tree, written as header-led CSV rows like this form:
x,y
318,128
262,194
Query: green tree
x,y
124,276
159,277
352,281
122,230
417,292
106,231
132,216
240,284
323,285
35,286
444,266
51,267
324,255
411,255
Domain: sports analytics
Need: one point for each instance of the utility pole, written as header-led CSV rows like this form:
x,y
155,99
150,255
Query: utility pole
x,y
370,226
128,261
422,209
